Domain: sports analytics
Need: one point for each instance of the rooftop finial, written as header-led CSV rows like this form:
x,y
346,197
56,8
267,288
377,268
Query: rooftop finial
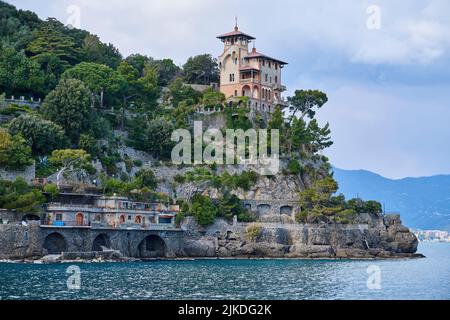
x,y
236,25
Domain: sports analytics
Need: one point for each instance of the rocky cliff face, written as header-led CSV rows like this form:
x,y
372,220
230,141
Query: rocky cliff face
x,y
373,237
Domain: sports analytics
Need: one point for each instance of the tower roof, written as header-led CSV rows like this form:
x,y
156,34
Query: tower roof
x,y
235,33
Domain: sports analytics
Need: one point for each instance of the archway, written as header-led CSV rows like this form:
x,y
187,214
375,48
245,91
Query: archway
x,y
79,219
287,210
31,217
55,243
263,209
256,92
152,247
102,240
246,91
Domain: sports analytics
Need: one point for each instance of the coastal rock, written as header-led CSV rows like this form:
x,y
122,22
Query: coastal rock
x,y
202,248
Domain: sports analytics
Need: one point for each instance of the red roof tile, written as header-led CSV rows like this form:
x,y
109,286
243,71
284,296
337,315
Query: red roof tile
x,y
235,33
255,54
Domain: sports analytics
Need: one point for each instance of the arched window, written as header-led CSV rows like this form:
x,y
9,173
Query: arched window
x,y
138,220
122,218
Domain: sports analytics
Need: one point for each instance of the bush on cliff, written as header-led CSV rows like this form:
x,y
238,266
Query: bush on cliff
x,y
18,195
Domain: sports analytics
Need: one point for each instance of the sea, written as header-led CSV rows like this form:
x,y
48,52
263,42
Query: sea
x,y
427,278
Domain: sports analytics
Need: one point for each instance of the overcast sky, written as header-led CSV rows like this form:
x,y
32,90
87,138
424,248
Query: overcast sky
x,y
389,87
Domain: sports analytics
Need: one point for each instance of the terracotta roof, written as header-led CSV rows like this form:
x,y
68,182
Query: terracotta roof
x,y
235,33
255,54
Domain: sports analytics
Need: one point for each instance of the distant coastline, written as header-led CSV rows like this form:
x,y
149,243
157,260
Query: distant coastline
x,y
432,236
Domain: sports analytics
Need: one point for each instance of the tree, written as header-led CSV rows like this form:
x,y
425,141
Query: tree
x,y
203,210
305,101
183,93
148,87
19,74
69,160
153,136
319,205
18,195
69,105
167,71
138,61
41,135
201,69
213,98
145,178
14,152
93,50
89,144
320,138
105,83
277,120
50,38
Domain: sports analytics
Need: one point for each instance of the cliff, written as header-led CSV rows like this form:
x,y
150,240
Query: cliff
x,y
372,237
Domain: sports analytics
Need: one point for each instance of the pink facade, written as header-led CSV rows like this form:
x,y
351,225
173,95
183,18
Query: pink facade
x,y
250,73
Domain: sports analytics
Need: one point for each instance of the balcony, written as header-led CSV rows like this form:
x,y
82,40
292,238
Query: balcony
x,y
279,87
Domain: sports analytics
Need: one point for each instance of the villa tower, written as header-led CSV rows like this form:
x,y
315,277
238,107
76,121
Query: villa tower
x,y
245,73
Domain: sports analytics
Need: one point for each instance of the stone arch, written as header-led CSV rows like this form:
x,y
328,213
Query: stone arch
x,y
55,243
246,91
287,210
264,209
152,246
102,240
255,92
248,206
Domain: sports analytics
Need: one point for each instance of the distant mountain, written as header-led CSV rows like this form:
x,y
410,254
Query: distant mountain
x,y
424,203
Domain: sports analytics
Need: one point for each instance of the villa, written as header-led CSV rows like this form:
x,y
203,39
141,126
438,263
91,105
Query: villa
x,y
94,211
251,74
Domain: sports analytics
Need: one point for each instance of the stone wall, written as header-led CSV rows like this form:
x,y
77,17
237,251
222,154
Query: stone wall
x,y
373,237
20,242
28,174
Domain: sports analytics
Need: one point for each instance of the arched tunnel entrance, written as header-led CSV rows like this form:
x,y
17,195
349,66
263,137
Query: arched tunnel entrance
x,y
31,217
100,242
55,243
152,247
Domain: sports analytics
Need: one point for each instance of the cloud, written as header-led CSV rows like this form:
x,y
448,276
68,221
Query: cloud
x,y
388,88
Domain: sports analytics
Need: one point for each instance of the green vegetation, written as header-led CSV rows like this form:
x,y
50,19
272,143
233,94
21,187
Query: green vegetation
x,y
320,205
69,105
18,195
96,102
15,154
201,69
253,232
41,135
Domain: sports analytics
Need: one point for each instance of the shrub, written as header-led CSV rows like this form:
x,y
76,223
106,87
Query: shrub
x,y
294,167
253,232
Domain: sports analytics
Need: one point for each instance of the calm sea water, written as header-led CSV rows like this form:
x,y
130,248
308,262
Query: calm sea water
x,y
235,279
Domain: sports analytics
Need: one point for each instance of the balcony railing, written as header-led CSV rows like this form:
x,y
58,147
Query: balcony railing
x,y
93,209
104,225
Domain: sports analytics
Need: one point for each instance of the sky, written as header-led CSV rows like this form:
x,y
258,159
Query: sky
x,y
385,65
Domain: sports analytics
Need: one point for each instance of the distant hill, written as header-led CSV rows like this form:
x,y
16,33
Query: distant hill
x,y
424,203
